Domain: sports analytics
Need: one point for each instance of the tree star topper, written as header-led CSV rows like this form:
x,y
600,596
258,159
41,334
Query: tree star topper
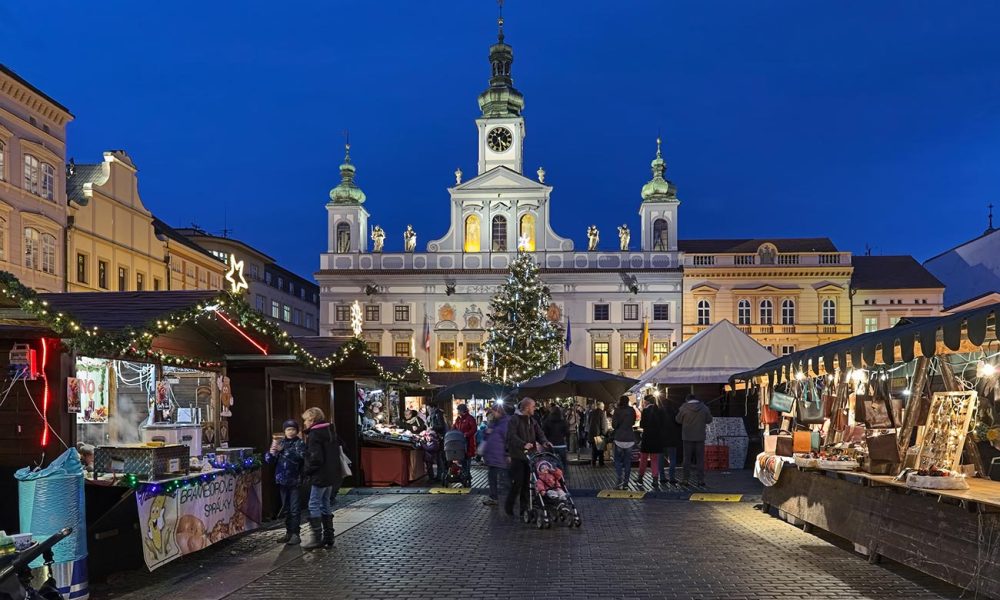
x,y
235,275
356,318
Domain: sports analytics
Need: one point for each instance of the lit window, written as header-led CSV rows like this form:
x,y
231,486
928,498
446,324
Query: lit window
x,y
787,312
32,249
630,312
499,234
342,312
829,312
893,321
48,181
661,312
660,350
527,232
602,357
704,312
630,356
446,355
472,233
275,309
472,358
766,312
140,282
31,174
871,324
743,312
286,313
372,312
402,349
602,312
374,347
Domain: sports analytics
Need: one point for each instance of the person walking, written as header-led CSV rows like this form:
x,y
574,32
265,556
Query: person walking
x,y
597,426
289,455
523,436
436,422
323,472
693,417
495,454
624,438
651,447
556,430
466,423
671,441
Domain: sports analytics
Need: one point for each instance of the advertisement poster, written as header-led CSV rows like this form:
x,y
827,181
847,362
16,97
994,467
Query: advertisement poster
x,y
92,381
72,395
196,517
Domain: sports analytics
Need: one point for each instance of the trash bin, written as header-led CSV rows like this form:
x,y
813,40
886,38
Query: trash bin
x,y
49,500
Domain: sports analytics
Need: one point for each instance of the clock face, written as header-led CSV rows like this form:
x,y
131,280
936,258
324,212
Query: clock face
x,y
499,139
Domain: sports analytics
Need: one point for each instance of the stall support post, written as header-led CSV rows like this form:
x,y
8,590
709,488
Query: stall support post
x,y
913,406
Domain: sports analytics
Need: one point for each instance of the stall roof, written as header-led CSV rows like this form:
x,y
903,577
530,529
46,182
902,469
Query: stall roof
x,y
711,356
127,309
960,332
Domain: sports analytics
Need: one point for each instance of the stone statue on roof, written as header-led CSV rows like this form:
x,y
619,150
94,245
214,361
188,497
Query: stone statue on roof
x,y
378,239
593,237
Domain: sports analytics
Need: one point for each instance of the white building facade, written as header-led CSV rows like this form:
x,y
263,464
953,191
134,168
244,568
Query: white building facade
x,y
432,300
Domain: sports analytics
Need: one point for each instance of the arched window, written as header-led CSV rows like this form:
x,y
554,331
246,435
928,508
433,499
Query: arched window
x,y
343,237
499,234
32,251
743,312
829,312
766,312
3,238
704,312
48,181
526,233
472,233
661,235
788,312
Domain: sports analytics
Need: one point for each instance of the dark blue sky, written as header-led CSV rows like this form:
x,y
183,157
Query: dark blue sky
x,y
866,121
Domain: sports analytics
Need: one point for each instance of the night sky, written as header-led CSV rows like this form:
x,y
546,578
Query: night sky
x,y
874,123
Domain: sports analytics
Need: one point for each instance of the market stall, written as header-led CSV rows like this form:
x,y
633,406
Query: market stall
x,y
891,440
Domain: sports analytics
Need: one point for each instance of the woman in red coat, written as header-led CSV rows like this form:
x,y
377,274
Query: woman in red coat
x,y
466,423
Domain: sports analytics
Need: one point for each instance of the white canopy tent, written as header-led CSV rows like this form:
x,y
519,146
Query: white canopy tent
x,y
711,356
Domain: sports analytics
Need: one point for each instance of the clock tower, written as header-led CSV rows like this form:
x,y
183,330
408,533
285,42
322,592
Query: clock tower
x,y
501,127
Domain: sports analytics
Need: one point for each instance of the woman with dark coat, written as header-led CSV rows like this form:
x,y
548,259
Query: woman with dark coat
x,y
556,429
323,472
651,447
671,439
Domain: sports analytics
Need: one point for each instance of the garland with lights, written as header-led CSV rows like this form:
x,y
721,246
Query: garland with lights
x,y
135,343
153,488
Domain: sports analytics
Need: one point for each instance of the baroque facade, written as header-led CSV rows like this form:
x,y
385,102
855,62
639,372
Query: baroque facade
x,y
432,301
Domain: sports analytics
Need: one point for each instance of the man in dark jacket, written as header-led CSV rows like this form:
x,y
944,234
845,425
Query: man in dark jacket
x,y
523,436
693,417
597,426
651,447
671,441
323,472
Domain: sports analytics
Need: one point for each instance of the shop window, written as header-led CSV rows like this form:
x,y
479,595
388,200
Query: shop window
x,y
499,234
343,237
81,268
660,351
140,282
286,313
630,312
401,313
122,279
31,174
704,312
871,324
787,312
275,309
661,312
402,349
602,355
829,312
602,312
374,347
372,312
743,312
630,356
766,312
473,228
342,312
102,274
526,235
661,235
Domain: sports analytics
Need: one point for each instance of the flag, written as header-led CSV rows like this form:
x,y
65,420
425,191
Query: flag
x,y
645,340
427,335
569,334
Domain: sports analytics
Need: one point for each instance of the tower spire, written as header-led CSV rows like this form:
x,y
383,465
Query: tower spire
x,y
501,99
347,192
500,21
990,228
659,189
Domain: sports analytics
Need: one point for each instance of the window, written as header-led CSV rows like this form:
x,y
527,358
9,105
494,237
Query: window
x,y
140,282
630,312
102,274
3,238
499,234
743,312
787,312
31,248
31,174
829,312
786,350
893,321
267,278
766,312
660,351
261,304
630,356
254,274
472,350
374,347
343,237
275,309
871,324
48,253
281,283
446,355
526,233
81,268
401,313
661,312
661,235
309,321
156,284
302,293
602,355
48,181
122,279
602,312
343,312
2,155
372,312
472,233
704,312
402,349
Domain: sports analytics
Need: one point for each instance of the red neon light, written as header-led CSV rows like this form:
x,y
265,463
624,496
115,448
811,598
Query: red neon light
x,y
45,393
262,349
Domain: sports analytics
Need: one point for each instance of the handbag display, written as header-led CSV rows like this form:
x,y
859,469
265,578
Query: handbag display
x,y
783,445
802,442
882,448
810,406
872,411
781,402
769,416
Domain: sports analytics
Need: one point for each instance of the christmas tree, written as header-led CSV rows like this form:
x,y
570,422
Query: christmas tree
x,y
523,342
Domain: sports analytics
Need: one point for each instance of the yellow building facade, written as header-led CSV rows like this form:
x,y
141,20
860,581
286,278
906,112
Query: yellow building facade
x,y
788,294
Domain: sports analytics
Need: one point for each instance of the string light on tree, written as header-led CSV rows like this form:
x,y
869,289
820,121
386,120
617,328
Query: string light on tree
x,y
357,319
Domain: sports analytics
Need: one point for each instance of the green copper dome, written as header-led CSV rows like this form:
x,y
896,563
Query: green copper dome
x,y
501,99
347,192
659,189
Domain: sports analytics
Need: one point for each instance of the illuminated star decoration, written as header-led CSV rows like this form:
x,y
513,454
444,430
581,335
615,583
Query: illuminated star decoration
x,y
522,243
235,275
356,320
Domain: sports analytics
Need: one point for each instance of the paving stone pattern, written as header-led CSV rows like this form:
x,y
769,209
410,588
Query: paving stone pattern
x,y
454,547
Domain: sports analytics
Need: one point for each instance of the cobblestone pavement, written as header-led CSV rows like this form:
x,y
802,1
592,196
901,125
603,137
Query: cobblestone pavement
x,y
454,547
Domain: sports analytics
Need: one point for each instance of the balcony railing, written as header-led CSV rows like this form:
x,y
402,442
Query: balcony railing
x,y
783,260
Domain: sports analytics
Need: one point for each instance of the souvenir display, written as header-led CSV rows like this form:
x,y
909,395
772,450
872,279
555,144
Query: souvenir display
x,y
944,434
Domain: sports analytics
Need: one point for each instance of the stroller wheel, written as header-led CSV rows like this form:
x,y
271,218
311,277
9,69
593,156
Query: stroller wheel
x,y
526,516
540,522
578,522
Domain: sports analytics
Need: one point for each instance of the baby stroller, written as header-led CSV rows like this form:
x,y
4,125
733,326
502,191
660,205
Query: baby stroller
x,y
455,448
548,498
15,575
